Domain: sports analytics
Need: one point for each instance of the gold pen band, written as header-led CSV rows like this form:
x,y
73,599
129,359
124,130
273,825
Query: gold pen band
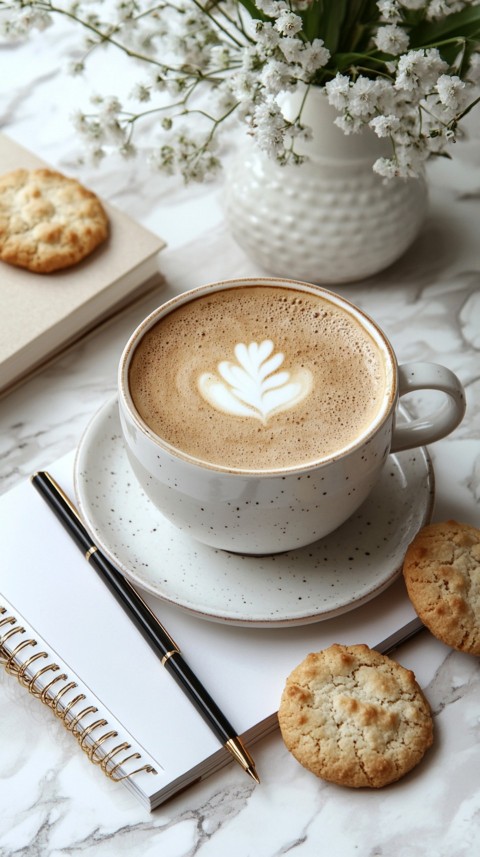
x,y
90,551
169,654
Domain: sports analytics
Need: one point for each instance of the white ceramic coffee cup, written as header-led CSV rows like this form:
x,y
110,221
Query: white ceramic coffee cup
x,y
259,512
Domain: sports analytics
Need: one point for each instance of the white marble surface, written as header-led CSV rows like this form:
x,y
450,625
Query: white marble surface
x,y
52,800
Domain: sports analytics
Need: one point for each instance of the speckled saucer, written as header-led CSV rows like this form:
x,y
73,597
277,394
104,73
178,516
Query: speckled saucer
x,y
330,577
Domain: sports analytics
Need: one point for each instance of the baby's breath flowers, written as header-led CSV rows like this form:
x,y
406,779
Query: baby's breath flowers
x,y
408,69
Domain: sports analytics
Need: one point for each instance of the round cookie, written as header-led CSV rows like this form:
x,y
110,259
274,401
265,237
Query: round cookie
x,y
48,221
355,717
442,576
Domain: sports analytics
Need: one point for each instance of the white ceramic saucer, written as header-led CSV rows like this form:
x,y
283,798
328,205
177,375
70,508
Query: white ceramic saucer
x,y
334,575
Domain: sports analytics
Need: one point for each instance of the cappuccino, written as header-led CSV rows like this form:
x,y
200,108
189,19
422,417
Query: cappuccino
x,y
259,378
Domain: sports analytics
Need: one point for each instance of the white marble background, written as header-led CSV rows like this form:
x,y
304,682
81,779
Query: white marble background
x,y
52,801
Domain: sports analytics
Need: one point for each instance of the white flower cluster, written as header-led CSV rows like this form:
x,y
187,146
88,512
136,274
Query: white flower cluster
x,y
277,61
205,62
417,110
244,73
391,10
26,17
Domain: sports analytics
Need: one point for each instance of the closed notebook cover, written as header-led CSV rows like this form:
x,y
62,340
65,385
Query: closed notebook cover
x,y
46,579
41,312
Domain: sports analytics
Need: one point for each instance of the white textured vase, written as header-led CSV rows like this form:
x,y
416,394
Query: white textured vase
x,y
330,220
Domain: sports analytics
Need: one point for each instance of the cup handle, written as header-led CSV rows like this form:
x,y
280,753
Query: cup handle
x,y
443,420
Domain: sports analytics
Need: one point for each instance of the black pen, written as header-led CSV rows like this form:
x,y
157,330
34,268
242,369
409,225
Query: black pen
x,y
145,620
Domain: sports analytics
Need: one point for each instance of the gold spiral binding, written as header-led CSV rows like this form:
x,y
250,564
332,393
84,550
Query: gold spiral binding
x,y
98,743
57,698
44,697
53,696
72,726
88,731
30,684
21,671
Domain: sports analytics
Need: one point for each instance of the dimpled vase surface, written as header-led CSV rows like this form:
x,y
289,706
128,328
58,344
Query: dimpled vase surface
x,y
331,219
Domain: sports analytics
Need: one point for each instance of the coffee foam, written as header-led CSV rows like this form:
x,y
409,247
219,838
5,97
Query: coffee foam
x,y
252,386
323,394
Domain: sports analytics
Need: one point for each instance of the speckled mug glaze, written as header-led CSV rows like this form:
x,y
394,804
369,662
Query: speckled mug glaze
x,y
260,512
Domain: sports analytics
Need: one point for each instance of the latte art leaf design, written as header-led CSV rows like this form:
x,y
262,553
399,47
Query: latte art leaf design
x,y
252,387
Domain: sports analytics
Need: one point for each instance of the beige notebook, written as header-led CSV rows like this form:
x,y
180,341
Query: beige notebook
x,y
42,314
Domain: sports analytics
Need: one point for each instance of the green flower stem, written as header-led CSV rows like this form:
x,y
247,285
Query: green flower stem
x,y
217,24
467,109
237,24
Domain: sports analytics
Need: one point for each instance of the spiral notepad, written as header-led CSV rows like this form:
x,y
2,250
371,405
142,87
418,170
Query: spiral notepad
x,y
70,644
47,678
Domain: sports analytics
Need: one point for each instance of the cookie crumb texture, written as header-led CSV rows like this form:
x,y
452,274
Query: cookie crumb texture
x,y
48,221
442,576
355,717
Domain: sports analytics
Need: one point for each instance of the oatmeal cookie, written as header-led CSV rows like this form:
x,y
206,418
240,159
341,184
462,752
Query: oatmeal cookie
x,y
355,717
442,576
48,221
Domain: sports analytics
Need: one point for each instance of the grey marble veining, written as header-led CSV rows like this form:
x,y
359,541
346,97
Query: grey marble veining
x,y
53,802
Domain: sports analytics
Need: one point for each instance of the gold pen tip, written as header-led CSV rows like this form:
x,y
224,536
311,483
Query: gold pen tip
x,y
240,753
